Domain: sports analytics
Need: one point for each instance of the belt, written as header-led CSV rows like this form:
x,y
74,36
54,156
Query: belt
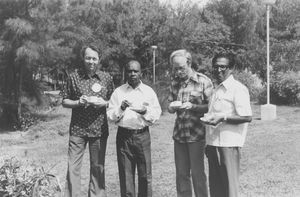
x,y
133,131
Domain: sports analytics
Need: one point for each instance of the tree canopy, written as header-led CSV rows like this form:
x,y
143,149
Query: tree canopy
x,y
38,37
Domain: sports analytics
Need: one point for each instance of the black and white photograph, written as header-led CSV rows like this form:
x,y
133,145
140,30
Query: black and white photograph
x,y
149,98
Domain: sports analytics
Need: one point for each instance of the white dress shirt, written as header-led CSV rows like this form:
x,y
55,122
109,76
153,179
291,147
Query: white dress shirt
x,y
141,95
230,98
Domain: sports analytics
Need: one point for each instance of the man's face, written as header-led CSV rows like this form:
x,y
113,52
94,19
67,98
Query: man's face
x,y
91,60
181,68
221,70
133,73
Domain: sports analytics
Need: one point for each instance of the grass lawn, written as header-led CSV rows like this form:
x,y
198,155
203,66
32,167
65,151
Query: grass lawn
x,y
269,167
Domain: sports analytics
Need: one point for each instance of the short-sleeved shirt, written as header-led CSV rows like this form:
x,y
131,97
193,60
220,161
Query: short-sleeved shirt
x,y
197,90
229,98
88,121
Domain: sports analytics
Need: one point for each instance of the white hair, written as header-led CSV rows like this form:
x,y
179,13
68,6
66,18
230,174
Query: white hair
x,y
181,53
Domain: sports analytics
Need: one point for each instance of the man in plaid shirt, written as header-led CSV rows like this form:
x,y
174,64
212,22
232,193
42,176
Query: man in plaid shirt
x,y
189,96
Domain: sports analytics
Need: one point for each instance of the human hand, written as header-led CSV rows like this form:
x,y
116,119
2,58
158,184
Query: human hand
x,y
83,101
212,119
125,104
97,102
186,105
141,110
175,105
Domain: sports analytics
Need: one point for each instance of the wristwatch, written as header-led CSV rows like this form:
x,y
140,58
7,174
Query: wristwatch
x,y
225,118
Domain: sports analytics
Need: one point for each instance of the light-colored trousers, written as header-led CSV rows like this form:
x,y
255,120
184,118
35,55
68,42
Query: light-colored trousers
x,y
97,148
224,169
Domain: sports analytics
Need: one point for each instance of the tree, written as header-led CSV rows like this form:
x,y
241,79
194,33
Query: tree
x,y
18,51
35,35
285,32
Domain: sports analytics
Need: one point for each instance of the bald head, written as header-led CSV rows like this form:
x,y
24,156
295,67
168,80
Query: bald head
x,y
133,63
181,53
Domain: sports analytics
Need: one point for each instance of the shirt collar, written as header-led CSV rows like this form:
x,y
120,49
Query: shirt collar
x,y
139,87
192,77
83,74
228,82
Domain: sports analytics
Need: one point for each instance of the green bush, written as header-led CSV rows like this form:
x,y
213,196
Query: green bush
x,y
252,82
18,180
285,88
27,119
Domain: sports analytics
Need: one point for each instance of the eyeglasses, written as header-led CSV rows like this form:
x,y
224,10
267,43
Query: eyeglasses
x,y
219,67
90,58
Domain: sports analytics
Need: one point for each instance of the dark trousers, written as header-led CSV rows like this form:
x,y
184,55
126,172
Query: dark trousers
x,y
224,169
134,150
97,148
189,162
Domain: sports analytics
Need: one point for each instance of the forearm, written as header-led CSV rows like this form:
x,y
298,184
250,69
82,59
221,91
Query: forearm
x,y
171,110
100,104
203,108
114,113
152,114
68,103
236,119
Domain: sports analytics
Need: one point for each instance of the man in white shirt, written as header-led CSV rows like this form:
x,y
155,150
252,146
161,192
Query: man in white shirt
x,y
228,117
134,107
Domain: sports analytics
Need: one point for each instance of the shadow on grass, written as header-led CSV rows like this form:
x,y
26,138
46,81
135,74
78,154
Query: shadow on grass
x,y
5,129
31,119
47,116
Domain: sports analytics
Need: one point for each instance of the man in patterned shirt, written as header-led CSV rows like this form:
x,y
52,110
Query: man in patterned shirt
x,y
87,92
189,95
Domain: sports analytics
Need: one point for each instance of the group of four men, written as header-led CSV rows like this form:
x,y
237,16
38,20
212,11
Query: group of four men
x,y
209,120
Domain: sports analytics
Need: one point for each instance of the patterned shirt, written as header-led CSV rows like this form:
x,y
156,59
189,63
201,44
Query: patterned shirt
x,y
197,90
88,121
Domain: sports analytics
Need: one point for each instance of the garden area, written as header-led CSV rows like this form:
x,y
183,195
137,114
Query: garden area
x,y
269,166
40,42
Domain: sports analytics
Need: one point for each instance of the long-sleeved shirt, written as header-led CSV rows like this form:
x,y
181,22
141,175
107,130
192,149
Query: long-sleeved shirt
x,y
197,90
141,95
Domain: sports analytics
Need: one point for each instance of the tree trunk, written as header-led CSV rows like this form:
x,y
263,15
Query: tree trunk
x,y
10,109
19,93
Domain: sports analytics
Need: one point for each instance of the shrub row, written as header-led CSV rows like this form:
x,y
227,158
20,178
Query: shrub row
x,y
284,87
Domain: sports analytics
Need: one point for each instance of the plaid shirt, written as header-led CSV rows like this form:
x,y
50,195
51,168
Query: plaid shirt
x,y
197,90
90,121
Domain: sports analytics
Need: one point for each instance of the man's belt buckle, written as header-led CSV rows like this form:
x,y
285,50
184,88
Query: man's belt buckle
x,y
137,131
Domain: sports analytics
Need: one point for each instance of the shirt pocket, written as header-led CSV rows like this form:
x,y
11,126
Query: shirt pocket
x,y
147,100
224,102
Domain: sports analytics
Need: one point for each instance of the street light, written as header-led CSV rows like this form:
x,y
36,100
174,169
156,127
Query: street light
x,y
154,48
268,111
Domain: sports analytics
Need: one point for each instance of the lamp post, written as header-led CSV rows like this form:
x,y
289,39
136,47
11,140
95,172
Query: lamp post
x,y
268,111
268,4
153,48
